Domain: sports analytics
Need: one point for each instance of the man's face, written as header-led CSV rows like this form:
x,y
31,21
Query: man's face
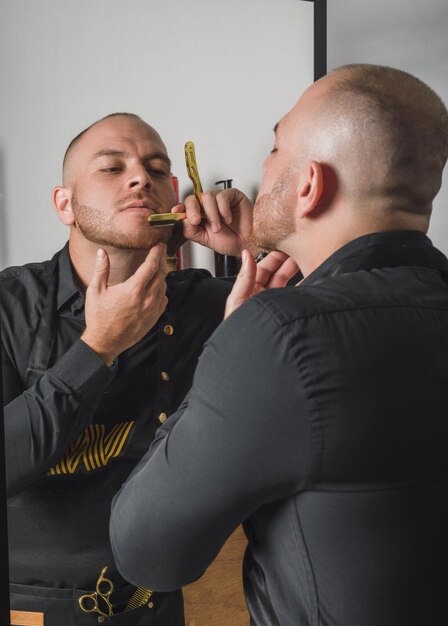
x,y
119,173
294,148
274,208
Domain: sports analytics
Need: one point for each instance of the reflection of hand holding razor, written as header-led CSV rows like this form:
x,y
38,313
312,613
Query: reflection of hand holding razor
x,y
169,219
159,220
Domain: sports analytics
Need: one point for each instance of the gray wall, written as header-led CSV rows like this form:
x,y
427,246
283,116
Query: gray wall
x,y
411,35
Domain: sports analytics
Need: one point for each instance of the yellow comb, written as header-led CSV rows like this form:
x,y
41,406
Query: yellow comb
x,y
138,598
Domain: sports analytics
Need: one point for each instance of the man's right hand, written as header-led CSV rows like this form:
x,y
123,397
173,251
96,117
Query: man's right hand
x,y
118,316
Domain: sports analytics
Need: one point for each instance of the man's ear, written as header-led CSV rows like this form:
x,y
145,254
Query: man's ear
x,y
62,201
310,189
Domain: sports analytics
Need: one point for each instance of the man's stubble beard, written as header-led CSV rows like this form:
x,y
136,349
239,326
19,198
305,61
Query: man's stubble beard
x,y
96,227
273,218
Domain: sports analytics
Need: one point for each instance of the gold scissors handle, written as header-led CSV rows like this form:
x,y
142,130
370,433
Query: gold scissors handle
x,y
89,602
192,168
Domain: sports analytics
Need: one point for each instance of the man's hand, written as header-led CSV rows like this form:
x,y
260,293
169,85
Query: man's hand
x,y
222,221
117,317
275,270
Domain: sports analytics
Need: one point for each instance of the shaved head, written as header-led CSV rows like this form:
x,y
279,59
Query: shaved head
x,y
66,164
362,150
389,133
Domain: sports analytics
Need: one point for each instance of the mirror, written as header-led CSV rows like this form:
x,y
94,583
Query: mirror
x,y
220,74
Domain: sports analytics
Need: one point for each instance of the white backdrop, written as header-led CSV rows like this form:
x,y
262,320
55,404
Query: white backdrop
x,y
217,73
409,34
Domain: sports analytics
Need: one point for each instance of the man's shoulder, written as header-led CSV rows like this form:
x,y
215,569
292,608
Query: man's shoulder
x,y
361,289
20,272
29,279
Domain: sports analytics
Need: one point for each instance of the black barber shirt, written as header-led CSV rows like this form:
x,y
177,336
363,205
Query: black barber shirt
x,y
75,435
319,418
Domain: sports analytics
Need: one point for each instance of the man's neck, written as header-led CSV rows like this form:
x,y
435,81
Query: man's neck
x,y
312,245
123,262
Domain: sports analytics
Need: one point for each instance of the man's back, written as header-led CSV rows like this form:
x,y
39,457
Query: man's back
x,y
368,336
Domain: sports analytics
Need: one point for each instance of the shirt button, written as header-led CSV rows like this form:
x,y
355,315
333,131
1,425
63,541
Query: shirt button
x,y
162,418
168,330
165,376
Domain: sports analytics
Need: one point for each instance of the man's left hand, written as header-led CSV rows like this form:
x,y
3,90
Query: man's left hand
x,y
275,270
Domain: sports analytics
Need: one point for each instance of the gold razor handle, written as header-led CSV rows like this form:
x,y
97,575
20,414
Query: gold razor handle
x,y
165,219
192,168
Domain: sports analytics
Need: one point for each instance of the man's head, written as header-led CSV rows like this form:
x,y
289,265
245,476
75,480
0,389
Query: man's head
x,y
361,151
115,174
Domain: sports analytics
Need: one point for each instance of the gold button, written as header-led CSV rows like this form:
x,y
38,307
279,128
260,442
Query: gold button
x,y
168,329
165,376
150,605
162,417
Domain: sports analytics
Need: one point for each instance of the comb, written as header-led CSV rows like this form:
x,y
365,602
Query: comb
x,y
138,598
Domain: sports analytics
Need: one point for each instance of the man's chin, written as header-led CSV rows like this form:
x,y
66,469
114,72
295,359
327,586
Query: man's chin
x,y
127,242
260,241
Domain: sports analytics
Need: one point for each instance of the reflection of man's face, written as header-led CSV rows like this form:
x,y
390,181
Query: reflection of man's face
x,y
120,174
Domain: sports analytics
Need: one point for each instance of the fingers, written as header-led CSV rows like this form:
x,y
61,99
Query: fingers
x,y
221,220
214,206
284,273
211,210
244,284
154,262
193,210
101,271
275,270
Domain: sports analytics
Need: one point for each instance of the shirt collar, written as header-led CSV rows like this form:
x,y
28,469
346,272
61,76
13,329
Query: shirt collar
x,y
384,249
68,290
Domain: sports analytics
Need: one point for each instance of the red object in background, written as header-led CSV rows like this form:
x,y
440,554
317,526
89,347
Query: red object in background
x,y
175,182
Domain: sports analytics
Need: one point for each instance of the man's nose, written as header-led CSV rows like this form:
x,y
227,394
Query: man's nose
x,y
140,178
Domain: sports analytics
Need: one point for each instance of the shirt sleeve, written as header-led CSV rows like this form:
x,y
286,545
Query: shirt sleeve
x,y
42,421
240,440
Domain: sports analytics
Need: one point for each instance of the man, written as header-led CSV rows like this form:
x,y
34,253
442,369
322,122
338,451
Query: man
x,y
99,346
317,415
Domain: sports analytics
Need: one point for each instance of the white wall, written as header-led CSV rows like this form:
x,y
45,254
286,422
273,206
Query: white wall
x,y
411,35
217,73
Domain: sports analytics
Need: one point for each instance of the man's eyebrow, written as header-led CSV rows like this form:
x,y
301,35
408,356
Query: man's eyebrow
x,y
276,127
158,155
119,153
107,152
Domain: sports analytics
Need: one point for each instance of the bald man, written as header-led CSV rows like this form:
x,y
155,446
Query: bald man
x,y
99,346
318,412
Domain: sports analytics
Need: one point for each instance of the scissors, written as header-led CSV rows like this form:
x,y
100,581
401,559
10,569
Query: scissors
x,y
98,602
